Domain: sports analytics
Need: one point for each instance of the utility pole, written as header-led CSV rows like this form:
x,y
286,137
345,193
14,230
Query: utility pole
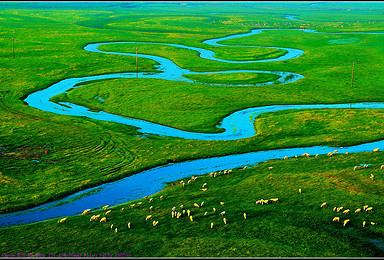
x,y
353,68
13,48
136,63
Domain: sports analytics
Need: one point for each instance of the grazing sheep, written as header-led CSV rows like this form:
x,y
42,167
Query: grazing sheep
x,y
211,224
205,189
196,205
161,197
129,224
323,204
346,153
182,206
225,221
365,166
150,208
270,168
188,212
357,210
214,175
376,149
154,223
189,181
222,213
139,203
202,204
122,209
372,176
132,205
94,217
285,157
345,222
115,230
173,214
111,226
300,191
364,223
373,223
221,203
336,219
150,200
105,207
62,220
86,211
329,154
174,208
104,219
183,211
275,200
339,208
214,209
245,215
191,218
334,208
205,213
382,167
204,184
305,154
109,211
346,211
295,156
148,217
369,209
316,155
245,167
335,151
211,174
365,207
356,168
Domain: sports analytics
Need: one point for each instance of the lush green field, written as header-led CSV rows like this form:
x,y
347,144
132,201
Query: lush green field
x,y
45,156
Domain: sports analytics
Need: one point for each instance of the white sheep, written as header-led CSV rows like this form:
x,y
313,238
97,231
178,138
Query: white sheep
x,y
345,222
161,197
154,223
150,200
245,215
324,204
62,220
202,204
225,221
111,226
275,200
357,210
104,219
129,225
196,205
382,167
115,230
346,211
285,157
364,223
221,203
299,191
86,211
222,213
105,207
107,213
270,168
369,209
376,149
148,217
336,219
188,212
316,155
211,224
373,223
365,207
372,176
214,209
191,218
204,189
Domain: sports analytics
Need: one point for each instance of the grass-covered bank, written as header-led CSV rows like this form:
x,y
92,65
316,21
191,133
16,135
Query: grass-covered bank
x,y
44,156
296,226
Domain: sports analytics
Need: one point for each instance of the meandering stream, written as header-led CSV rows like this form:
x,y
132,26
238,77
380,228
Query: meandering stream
x,y
237,125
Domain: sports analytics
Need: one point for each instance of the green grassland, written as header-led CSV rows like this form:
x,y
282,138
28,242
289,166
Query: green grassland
x,y
45,156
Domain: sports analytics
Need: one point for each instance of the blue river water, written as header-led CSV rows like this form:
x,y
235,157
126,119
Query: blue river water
x,y
236,126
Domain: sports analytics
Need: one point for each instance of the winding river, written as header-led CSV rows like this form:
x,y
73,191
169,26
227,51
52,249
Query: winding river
x,y
236,126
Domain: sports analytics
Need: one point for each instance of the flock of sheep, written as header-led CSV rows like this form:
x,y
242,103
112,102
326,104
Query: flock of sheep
x,y
181,211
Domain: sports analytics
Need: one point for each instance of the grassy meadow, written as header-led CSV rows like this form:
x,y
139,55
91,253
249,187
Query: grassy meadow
x,y
46,156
